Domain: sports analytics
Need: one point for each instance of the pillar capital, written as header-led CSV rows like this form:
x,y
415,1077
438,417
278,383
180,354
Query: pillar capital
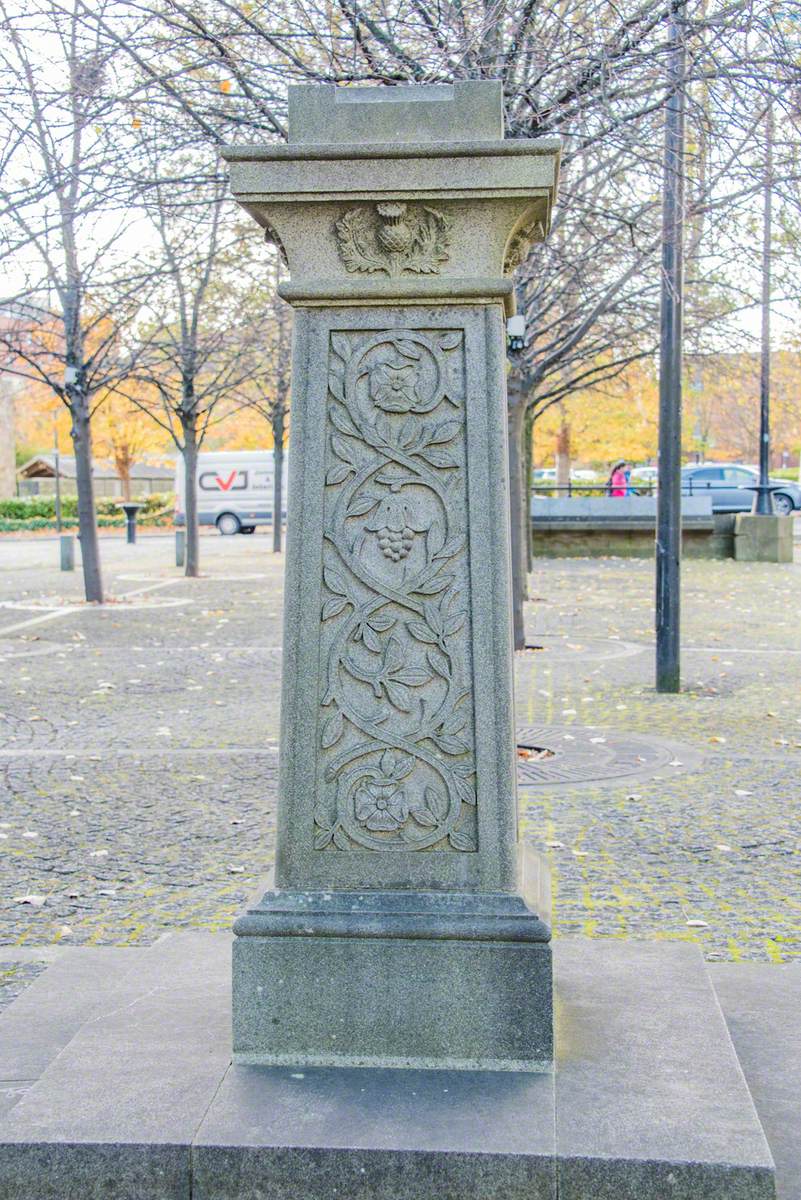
x,y
393,193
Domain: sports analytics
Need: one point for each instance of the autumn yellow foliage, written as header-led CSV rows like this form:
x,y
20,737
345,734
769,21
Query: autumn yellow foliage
x,y
721,414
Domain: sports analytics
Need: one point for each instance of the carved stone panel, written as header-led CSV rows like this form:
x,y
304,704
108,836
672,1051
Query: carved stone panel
x,y
395,763
394,237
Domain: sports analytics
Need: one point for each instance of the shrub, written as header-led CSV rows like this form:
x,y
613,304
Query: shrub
x,y
25,508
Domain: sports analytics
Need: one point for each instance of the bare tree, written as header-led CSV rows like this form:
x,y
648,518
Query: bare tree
x,y
202,331
591,71
273,401
65,215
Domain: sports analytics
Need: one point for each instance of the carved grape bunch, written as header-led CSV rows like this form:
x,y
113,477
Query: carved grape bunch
x,y
394,525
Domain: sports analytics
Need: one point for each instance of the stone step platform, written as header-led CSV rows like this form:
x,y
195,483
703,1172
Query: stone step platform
x,y
135,1099
51,1010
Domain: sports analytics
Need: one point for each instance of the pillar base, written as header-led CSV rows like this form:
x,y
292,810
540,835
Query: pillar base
x,y
397,979
763,539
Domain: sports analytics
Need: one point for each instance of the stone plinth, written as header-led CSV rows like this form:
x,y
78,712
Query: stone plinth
x,y
763,538
131,1095
403,927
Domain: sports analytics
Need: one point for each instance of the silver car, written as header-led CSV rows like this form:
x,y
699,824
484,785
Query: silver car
x,y
731,487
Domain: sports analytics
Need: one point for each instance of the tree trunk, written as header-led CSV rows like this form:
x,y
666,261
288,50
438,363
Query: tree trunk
x,y
515,417
87,521
189,451
278,482
123,463
563,451
528,441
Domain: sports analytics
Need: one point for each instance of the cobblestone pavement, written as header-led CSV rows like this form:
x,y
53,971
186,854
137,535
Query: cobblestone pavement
x,y
138,749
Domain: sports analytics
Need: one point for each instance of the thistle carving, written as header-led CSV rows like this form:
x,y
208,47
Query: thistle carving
x,y
394,237
396,720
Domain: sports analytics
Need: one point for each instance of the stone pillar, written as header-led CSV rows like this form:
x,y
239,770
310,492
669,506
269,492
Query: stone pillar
x,y
405,926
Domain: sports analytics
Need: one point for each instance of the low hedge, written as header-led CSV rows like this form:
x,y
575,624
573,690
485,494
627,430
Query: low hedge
x,y
26,508
790,473
11,525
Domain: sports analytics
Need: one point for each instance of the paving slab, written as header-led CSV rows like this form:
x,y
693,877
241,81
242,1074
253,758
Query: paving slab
x,y
114,1116
651,1101
762,1006
51,1010
325,1133
10,1093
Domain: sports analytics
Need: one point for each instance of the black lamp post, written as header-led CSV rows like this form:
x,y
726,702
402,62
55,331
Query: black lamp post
x,y
668,515
763,500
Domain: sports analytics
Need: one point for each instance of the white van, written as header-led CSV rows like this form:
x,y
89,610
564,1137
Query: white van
x,y
234,490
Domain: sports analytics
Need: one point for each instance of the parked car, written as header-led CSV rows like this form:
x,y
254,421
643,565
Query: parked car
x,y
730,485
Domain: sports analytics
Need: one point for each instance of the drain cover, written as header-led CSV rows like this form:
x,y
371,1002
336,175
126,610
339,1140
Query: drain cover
x,y
584,754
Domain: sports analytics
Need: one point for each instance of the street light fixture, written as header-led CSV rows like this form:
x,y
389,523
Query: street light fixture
x,y
516,332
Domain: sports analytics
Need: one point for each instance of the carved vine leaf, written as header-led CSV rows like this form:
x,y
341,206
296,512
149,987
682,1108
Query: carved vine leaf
x,y
461,840
397,736
363,503
433,810
332,730
341,418
334,606
394,237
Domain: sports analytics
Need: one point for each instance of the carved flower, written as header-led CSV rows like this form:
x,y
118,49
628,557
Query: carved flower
x,y
394,389
381,805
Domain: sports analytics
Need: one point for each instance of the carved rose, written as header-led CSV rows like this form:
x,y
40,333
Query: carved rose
x,y
381,805
394,389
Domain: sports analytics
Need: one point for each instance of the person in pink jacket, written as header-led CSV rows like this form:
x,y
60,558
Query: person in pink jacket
x,y
618,483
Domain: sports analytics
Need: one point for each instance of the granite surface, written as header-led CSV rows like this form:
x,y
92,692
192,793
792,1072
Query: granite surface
x,y
395,1002
649,1101
650,1097
762,1007
114,1114
459,111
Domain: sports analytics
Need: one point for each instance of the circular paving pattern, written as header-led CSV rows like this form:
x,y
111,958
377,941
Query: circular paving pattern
x,y
586,754
112,604
9,648
565,648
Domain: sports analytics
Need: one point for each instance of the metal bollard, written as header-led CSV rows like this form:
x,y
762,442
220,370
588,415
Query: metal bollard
x,y
67,542
130,508
180,547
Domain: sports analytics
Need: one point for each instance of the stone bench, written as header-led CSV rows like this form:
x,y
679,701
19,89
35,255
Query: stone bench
x,y
619,512
625,526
